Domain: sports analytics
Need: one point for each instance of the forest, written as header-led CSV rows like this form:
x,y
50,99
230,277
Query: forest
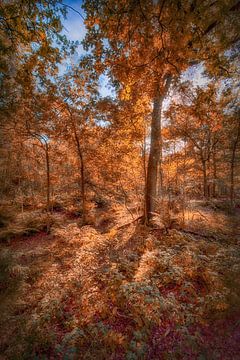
x,y
119,179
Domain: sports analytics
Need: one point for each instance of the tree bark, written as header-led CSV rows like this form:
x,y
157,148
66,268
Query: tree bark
x,y
155,149
232,168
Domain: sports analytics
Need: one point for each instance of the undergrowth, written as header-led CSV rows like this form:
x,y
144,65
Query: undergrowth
x,y
25,224
132,293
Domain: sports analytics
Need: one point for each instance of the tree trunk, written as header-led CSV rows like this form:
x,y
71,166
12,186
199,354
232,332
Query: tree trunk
x,y
144,171
214,172
82,175
81,166
160,170
48,175
160,173
205,185
155,150
232,168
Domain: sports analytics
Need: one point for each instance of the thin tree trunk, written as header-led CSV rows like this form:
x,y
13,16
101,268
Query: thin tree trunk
x,y
176,159
81,166
82,174
144,171
205,187
155,150
233,157
160,170
184,184
48,186
48,175
214,172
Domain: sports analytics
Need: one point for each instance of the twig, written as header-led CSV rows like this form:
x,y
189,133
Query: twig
x,y
76,11
129,223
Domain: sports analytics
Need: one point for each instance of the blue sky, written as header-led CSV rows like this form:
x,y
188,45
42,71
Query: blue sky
x,y
74,27
75,30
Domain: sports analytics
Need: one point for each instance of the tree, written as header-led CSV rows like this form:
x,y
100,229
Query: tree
x,y
230,100
32,46
199,122
169,36
77,93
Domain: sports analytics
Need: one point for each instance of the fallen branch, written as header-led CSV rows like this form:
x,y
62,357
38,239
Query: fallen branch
x,y
129,223
202,215
198,234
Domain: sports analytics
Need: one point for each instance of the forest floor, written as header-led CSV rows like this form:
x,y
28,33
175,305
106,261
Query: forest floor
x,y
130,292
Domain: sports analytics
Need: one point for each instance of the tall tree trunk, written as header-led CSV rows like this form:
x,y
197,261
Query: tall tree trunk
x,y
232,167
48,175
82,174
176,159
155,149
43,140
183,192
144,171
214,164
205,185
48,185
81,165
160,170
